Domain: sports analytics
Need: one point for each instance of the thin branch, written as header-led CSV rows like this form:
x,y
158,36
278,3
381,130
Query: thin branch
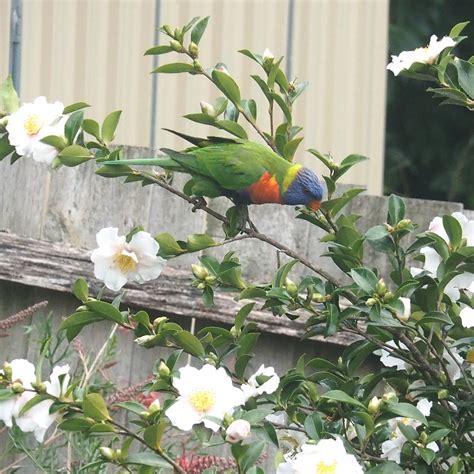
x,y
159,451
250,232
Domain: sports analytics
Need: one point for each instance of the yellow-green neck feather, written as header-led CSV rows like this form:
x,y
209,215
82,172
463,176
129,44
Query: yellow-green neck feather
x,y
290,177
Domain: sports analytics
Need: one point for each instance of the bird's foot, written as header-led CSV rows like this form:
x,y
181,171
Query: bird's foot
x,y
199,203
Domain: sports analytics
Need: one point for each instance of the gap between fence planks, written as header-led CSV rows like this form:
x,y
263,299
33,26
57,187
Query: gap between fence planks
x,y
55,266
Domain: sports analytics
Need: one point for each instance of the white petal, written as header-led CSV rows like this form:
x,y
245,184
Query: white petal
x,y
114,279
23,370
6,411
182,415
108,235
424,406
467,317
144,243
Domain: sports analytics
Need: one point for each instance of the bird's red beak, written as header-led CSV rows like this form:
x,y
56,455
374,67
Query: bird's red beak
x,y
314,205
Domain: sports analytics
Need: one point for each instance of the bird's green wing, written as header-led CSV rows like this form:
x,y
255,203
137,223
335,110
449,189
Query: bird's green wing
x,y
233,166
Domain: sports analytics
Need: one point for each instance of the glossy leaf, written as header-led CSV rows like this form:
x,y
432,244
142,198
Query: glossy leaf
x,y
199,29
174,68
110,125
94,407
227,85
74,155
160,49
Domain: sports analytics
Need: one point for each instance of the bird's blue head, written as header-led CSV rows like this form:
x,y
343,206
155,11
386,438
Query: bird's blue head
x,y
305,188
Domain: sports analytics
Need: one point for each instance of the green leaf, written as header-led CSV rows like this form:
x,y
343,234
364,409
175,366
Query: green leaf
x,y
438,434
114,171
290,148
110,125
251,455
313,425
131,406
69,109
81,318
146,459
232,127
364,279
189,343
201,118
396,209
92,128
174,68
407,410
33,402
198,242
279,280
55,140
198,30
9,101
106,310
73,125
250,108
388,467
427,454
6,393
169,247
457,29
227,85
74,155
153,434
453,229
242,315
341,396
256,415
81,289
161,49
94,407
5,147
465,76
77,423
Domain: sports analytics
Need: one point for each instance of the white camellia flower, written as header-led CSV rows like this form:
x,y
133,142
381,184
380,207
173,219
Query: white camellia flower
x,y
36,420
30,123
24,372
465,281
392,448
328,456
427,55
237,431
255,388
467,317
117,261
203,393
392,361
453,363
43,152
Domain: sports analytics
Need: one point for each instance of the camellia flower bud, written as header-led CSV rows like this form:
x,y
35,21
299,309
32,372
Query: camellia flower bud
x,y
403,223
371,302
380,287
388,297
207,109
163,370
17,387
291,287
39,387
193,50
107,453
423,438
7,370
154,406
210,280
177,46
374,405
442,394
168,29
221,67
237,431
233,331
389,397
158,321
319,298
267,58
199,272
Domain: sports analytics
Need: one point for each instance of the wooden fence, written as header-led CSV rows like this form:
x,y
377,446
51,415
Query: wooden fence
x,y
48,222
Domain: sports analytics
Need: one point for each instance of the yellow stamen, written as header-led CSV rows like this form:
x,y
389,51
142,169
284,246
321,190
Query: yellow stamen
x,y
32,124
470,356
322,468
202,400
125,263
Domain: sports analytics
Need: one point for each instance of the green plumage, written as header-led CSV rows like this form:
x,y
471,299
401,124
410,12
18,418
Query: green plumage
x,y
219,167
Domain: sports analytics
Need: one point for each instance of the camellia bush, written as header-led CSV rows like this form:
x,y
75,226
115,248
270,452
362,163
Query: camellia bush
x,y
414,414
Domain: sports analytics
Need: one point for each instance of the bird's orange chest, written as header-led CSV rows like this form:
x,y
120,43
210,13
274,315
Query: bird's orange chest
x,y
265,190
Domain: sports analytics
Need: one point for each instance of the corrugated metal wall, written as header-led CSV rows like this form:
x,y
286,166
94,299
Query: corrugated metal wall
x,y
93,50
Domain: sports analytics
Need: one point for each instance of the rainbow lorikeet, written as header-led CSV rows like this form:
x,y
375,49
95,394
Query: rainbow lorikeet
x,y
244,171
